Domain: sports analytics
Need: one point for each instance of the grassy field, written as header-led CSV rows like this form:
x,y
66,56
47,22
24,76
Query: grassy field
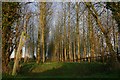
x,y
65,70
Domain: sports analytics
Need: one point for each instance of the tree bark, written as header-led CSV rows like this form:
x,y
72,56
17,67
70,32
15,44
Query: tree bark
x,y
43,25
74,53
84,42
21,43
38,46
69,41
91,35
77,30
6,48
119,42
65,33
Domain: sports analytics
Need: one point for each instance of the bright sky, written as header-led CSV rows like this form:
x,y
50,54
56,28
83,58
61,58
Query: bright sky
x,y
23,53
12,55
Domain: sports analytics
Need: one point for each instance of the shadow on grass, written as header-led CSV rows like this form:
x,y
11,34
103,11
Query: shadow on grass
x,y
67,70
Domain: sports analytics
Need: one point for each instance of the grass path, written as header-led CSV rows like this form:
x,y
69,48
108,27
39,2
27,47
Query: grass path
x,y
66,70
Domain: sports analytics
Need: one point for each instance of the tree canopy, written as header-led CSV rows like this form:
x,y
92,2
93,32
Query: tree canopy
x,y
115,8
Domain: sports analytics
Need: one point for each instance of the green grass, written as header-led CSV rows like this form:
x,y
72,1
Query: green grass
x,y
65,70
0,75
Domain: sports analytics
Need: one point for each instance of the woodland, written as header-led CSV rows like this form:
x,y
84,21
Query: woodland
x,y
60,39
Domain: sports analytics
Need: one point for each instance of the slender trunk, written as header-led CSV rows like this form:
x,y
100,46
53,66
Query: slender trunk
x,y
102,49
55,50
98,47
77,30
59,51
118,48
15,51
65,54
33,46
62,51
95,47
84,42
92,46
43,24
38,47
74,51
114,36
43,47
91,35
17,40
69,41
118,42
65,34
89,47
21,43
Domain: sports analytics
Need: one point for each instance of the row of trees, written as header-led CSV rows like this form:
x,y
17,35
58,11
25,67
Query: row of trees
x,y
66,32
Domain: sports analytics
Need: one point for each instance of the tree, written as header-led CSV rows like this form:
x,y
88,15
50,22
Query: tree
x,y
113,60
91,35
84,41
77,30
38,45
115,8
9,16
21,43
43,25
69,38
65,34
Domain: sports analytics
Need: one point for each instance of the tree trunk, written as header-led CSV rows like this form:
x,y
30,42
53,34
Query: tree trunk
x,y
91,35
38,47
69,41
21,43
59,51
6,48
74,46
65,34
43,47
62,51
84,42
43,24
102,48
119,42
77,30
26,52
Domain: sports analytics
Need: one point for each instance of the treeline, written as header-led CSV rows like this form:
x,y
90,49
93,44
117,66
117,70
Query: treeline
x,y
64,31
